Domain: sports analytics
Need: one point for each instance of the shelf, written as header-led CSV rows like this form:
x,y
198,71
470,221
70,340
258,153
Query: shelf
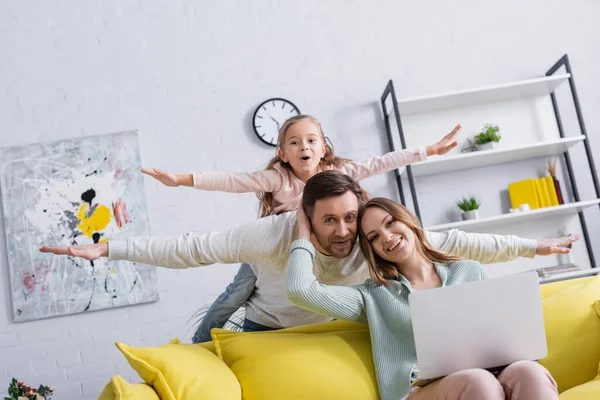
x,y
489,94
484,158
570,275
565,209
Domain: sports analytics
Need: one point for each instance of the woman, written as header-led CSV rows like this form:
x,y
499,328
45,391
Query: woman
x,y
401,261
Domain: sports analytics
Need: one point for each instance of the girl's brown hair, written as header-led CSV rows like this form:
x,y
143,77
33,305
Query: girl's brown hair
x,y
383,271
266,198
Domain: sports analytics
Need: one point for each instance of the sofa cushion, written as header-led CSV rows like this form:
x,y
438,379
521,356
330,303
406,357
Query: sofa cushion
x,y
119,389
548,289
587,391
299,364
183,371
573,334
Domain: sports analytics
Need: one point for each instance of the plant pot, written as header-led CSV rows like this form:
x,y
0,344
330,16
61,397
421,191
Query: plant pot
x,y
473,214
487,146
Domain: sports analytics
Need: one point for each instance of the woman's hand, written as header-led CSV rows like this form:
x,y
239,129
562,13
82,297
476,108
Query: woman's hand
x,y
304,226
87,251
169,179
447,143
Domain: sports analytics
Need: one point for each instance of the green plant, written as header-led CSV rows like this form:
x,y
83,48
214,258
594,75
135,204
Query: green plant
x,y
19,391
488,134
469,204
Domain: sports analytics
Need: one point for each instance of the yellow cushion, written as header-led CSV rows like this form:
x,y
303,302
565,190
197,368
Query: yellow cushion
x,y
587,391
330,326
208,346
548,289
183,371
119,389
301,363
573,334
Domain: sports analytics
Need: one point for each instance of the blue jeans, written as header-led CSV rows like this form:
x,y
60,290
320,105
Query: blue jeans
x,y
251,326
228,302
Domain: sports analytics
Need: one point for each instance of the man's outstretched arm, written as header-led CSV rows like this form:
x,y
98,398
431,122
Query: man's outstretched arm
x,y
489,248
248,243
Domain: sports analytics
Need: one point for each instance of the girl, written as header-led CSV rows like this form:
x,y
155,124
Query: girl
x,y
302,152
400,261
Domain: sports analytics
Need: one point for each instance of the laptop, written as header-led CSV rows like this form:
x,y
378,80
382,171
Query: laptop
x,y
484,324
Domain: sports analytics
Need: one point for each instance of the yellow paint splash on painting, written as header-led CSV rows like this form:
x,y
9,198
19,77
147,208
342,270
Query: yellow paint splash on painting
x,y
94,223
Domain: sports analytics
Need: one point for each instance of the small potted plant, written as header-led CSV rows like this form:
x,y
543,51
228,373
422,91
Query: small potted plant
x,y
487,138
469,207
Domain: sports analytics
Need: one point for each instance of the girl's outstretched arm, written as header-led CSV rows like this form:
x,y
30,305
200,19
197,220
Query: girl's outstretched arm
x,y
400,158
169,179
233,182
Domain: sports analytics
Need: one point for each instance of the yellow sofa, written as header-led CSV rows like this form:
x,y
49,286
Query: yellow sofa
x,y
333,360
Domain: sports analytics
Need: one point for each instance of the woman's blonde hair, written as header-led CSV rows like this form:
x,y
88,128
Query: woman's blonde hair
x,y
266,198
383,271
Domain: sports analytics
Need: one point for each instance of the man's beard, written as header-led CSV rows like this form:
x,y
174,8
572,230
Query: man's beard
x,y
336,251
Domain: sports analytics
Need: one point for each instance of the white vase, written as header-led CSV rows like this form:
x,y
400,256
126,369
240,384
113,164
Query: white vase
x,y
473,214
487,146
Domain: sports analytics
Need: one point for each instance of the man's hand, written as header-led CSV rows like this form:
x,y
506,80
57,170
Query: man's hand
x,y
166,178
546,247
87,251
447,143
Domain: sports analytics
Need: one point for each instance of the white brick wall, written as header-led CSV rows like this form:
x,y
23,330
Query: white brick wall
x,y
188,75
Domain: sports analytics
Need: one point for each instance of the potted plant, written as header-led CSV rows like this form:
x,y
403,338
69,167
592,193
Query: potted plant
x,y
488,137
470,208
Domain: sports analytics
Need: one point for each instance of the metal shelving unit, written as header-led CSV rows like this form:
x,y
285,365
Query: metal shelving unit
x,y
541,86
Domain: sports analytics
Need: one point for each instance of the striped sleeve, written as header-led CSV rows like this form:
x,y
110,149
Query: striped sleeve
x,y
303,289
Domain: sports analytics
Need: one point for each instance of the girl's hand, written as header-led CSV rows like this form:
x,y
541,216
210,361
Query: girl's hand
x,y
304,227
87,251
166,178
447,143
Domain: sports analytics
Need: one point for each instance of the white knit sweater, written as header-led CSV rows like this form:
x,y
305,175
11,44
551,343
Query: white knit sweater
x,y
265,245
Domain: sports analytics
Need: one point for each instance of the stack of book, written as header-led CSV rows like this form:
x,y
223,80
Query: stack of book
x,y
556,270
538,193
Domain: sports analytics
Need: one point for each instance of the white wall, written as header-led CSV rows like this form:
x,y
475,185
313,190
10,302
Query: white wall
x,y
188,75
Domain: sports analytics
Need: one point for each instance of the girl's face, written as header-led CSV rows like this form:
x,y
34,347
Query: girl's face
x,y
391,240
303,147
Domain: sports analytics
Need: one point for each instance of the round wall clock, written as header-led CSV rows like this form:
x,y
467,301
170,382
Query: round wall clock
x,y
270,116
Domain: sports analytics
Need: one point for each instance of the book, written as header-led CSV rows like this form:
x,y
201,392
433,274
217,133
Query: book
x,y
551,189
524,192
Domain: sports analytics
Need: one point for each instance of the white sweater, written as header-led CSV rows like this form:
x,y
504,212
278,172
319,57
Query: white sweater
x,y
265,245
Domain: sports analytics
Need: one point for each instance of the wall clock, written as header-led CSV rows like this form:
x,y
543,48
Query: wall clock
x,y
270,116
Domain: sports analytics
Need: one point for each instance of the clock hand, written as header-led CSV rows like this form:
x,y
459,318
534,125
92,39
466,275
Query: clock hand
x,y
275,121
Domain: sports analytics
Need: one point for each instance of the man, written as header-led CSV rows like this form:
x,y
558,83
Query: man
x,y
331,200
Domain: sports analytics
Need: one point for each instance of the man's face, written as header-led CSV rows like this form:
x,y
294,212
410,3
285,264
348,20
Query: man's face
x,y
334,224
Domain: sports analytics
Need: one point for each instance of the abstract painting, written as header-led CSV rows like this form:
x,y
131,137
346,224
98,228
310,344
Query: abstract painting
x,y
79,191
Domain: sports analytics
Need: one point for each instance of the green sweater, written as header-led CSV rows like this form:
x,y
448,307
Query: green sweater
x,y
385,308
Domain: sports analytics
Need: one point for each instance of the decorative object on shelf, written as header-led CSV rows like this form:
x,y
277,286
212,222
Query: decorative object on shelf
x,y
468,147
270,116
551,168
78,191
470,207
566,259
488,137
524,208
19,391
